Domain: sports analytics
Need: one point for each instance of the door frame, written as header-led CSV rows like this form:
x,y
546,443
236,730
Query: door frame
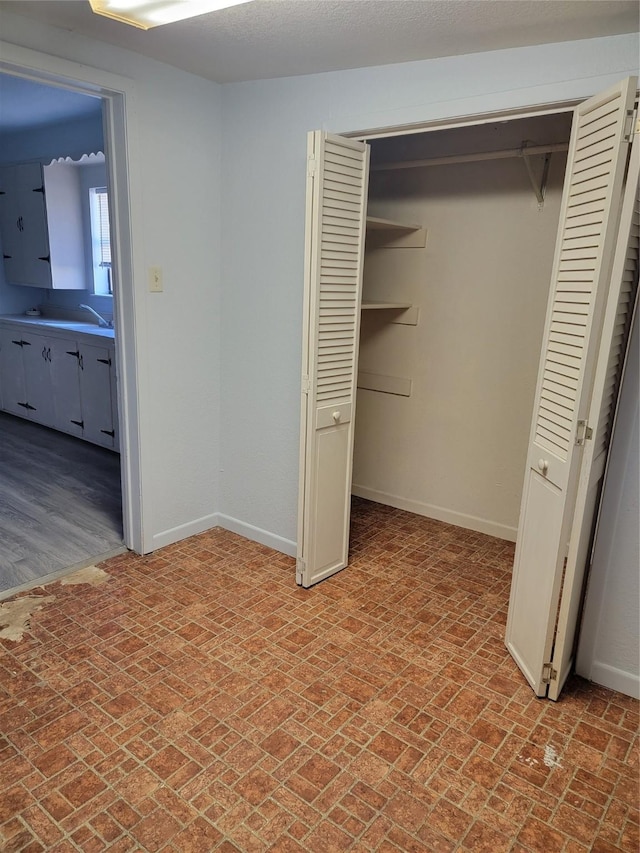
x,y
118,119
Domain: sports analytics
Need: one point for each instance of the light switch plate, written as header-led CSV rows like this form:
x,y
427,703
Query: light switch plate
x,y
155,280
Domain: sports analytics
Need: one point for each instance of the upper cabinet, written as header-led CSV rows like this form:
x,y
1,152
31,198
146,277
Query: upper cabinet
x,y
41,226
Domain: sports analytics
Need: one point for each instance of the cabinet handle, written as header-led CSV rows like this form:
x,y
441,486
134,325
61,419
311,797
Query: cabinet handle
x,y
110,432
75,353
78,423
104,361
27,406
46,258
44,353
38,190
7,257
48,353
22,343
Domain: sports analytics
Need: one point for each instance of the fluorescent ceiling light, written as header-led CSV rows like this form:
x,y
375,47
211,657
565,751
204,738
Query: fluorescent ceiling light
x,y
152,13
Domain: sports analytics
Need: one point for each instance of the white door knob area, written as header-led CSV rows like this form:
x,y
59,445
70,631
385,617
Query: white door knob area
x,y
543,465
336,416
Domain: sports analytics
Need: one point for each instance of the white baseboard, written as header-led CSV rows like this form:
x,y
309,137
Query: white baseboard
x,y
615,679
182,531
257,534
470,522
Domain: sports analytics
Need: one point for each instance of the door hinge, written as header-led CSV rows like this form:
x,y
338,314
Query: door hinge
x,y
583,432
312,166
549,674
632,124
306,385
300,567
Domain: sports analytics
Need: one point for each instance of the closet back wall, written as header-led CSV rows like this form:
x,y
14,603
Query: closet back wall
x,y
456,448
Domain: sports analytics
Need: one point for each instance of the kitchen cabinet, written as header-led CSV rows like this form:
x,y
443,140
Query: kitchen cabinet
x,y
96,394
12,383
41,225
61,381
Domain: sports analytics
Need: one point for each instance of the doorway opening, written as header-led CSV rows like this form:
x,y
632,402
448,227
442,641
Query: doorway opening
x,y
446,381
65,480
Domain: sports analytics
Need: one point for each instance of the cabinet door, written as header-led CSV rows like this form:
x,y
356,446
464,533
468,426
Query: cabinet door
x,y
65,380
95,393
14,395
10,236
36,259
38,378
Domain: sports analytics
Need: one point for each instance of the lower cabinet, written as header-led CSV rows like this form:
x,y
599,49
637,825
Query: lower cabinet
x,y
64,383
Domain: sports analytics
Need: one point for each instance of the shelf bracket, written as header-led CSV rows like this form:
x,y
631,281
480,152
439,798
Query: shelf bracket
x,y
539,185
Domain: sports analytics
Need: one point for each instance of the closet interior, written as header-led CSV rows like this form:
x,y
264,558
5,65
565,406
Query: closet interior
x,y
460,242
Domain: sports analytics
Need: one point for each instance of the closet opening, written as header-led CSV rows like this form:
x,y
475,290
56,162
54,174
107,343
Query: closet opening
x,y
451,281
460,238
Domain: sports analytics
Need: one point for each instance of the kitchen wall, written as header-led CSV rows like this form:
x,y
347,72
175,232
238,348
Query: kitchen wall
x,y
64,139
264,150
173,145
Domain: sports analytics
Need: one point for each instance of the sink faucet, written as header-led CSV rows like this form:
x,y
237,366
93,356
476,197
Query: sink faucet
x,y
101,321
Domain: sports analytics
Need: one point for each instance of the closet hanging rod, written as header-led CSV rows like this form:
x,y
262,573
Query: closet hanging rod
x,y
523,151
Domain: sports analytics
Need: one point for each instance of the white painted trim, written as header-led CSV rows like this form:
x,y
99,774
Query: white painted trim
x,y
257,534
183,531
120,132
615,679
439,513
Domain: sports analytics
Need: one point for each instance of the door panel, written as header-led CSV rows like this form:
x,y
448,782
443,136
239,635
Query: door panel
x,y
14,392
65,381
589,218
38,378
334,247
613,345
95,393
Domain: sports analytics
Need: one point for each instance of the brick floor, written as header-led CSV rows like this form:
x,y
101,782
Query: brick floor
x,y
198,701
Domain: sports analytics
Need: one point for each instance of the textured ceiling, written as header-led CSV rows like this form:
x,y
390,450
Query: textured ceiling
x,y
279,38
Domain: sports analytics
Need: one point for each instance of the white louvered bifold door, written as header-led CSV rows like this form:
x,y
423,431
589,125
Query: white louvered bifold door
x,y
579,291
337,182
606,385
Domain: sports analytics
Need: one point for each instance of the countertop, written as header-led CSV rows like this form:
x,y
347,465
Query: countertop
x,y
46,324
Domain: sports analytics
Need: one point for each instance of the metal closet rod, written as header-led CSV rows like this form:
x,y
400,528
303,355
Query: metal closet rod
x,y
523,151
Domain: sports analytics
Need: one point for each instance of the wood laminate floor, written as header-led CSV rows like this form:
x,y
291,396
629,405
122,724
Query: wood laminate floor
x,y
60,502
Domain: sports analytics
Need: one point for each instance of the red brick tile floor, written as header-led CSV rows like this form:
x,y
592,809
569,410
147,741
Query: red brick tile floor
x,y
198,700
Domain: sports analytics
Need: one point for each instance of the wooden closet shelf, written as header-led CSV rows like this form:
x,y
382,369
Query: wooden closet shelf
x,y
387,233
367,306
402,313
375,223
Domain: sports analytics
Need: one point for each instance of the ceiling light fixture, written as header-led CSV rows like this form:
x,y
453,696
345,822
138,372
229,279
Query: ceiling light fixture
x,y
146,14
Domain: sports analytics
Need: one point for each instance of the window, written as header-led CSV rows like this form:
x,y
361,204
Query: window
x,y
100,240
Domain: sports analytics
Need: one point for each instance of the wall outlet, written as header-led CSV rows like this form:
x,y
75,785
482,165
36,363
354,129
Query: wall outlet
x,y
155,280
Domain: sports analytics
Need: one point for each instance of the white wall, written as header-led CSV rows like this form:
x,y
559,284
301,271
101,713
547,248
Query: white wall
x,y
609,645
264,149
456,448
174,135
